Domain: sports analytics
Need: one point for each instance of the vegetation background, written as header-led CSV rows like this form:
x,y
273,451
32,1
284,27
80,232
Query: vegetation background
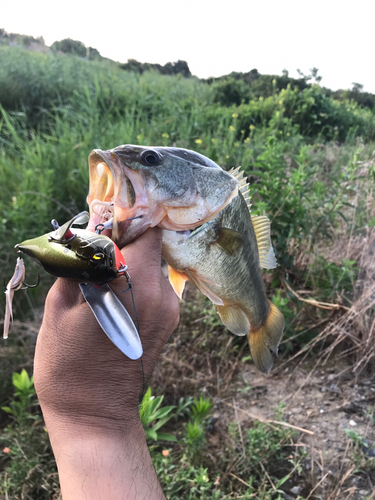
x,y
309,156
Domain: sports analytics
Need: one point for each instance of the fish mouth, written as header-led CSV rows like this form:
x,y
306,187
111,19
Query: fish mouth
x,y
117,197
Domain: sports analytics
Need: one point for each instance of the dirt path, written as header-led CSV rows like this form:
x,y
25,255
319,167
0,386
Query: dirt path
x,y
324,404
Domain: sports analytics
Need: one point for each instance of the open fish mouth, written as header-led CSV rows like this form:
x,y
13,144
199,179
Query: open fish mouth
x,y
112,195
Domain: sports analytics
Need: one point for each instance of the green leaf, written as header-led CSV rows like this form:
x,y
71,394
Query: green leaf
x,y
161,422
282,481
150,433
22,382
163,412
167,437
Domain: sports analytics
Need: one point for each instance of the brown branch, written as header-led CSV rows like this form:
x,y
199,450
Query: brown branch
x,y
316,303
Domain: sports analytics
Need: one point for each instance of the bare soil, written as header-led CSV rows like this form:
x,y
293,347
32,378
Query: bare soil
x,y
321,400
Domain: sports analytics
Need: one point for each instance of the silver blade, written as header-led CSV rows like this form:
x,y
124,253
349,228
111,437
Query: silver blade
x,y
114,319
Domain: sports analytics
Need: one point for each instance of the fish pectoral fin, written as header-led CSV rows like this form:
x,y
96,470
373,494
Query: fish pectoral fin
x,y
230,241
234,319
203,285
262,228
177,279
266,338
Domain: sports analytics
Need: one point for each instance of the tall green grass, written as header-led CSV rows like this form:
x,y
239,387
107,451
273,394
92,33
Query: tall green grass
x,y
55,109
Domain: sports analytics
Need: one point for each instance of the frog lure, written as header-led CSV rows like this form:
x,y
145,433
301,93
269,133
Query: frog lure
x,y
91,258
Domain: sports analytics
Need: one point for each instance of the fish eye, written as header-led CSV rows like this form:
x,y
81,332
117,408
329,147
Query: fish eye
x,y
150,157
98,256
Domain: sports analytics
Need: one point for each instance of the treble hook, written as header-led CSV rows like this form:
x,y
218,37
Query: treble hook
x,y
25,285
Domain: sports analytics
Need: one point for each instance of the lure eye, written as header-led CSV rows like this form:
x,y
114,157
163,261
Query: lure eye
x,y
98,256
150,157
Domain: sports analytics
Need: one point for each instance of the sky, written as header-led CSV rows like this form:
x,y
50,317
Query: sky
x,y
215,37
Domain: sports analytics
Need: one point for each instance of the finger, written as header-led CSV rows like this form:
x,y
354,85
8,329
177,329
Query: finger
x,y
145,251
64,295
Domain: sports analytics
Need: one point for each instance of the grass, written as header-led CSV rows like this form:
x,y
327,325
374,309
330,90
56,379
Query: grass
x,y
311,168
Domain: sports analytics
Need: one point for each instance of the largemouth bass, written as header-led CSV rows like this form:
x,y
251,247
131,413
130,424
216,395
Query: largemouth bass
x,y
141,187
223,258
209,236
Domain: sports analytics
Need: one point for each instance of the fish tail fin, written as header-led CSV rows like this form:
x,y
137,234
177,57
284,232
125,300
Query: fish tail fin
x,y
266,338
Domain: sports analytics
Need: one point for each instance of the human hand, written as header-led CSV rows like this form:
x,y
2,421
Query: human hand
x,y
86,386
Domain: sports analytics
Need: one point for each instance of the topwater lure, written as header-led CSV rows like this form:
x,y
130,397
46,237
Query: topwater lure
x,y
91,258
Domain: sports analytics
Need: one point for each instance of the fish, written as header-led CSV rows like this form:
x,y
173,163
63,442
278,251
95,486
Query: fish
x,y
209,235
16,282
75,253
138,187
223,259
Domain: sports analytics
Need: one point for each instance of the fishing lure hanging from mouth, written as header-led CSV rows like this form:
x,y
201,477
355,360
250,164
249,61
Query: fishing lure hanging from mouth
x,y
94,260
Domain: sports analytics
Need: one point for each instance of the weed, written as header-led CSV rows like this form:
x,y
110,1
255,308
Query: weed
x,y
362,454
153,417
26,399
30,465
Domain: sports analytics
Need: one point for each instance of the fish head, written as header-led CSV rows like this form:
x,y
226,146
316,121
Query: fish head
x,y
71,252
143,187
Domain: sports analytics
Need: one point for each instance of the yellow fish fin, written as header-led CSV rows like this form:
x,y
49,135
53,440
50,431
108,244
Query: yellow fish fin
x,y
202,284
262,228
177,279
266,338
234,319
230,241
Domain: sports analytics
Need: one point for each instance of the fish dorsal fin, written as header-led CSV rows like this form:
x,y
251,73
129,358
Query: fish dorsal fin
x,y
243,185
240,177
234,170
177,279
262,228
229,240
202,284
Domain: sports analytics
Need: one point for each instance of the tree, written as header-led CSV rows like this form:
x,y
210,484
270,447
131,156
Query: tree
x,y
69,46
357,87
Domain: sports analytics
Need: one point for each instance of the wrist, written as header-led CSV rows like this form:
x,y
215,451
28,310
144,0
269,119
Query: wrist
x,y
99,461
69,424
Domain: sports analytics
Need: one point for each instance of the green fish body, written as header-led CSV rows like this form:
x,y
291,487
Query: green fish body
x,y
223,259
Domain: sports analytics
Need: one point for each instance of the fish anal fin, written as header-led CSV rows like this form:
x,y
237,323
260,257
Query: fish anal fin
x,y
234,319
230,241
262,228
177,279
266,338
203,285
